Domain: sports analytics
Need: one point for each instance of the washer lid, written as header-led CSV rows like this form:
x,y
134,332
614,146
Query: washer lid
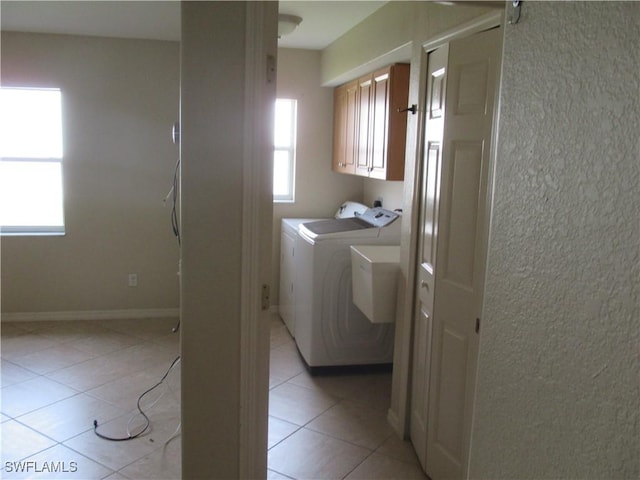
x,y
337,225
291,225
373,218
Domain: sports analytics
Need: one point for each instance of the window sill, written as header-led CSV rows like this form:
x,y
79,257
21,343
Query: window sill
x,y
4,233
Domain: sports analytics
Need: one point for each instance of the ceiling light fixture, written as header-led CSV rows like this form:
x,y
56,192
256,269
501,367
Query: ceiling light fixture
x,y
287,24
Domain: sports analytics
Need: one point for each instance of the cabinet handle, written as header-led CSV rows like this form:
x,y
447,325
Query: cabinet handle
x,y
413,109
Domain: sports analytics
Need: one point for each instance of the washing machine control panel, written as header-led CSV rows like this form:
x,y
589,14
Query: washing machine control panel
x,y
379,217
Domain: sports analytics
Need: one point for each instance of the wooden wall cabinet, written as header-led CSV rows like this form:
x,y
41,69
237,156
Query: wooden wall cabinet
x,y
369,132
344,127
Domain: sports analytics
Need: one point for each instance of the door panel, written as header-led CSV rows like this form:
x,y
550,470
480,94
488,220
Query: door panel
x,y
379,122
352,125
463,187
450,393
470,81
436,98
363,128
473,65
339,128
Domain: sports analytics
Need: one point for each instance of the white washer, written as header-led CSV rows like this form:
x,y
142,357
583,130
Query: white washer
x,y
288,242
330,329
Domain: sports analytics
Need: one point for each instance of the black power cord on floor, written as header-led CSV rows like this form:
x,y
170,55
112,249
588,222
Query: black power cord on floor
x,y
146,418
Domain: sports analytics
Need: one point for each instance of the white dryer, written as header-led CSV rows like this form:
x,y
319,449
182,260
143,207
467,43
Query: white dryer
x,y
330,329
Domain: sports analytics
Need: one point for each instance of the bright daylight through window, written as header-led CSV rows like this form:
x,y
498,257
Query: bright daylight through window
x,y
284,154
31,201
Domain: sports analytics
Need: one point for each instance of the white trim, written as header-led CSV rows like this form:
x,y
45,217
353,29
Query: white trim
x,y
91,315
261,24
480,24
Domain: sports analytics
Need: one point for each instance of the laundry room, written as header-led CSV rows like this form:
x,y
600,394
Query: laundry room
x,y
318,190
348,145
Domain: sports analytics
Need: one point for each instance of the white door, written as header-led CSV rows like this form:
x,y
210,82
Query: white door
x,y
430,187
460,227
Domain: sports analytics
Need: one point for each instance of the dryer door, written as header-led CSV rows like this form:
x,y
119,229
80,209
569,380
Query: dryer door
x,y
348,335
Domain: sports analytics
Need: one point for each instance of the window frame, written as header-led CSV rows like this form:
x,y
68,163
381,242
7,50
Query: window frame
x,y
40,229
289,150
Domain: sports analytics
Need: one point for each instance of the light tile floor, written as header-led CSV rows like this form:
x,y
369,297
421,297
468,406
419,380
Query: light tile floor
x,y
57,377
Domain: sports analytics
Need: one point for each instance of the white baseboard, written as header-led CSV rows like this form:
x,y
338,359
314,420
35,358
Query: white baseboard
x,y
91,315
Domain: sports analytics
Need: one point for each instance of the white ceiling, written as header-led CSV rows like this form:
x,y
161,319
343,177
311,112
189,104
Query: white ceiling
x,y
322,21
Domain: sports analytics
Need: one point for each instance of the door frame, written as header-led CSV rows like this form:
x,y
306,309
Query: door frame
x,y
399,414
257,224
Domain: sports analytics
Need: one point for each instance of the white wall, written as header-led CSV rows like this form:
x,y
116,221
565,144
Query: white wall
x,y
360,50
558,392
390,193
120,98
319,191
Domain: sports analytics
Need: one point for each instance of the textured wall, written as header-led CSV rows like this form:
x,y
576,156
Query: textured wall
x,y
558,383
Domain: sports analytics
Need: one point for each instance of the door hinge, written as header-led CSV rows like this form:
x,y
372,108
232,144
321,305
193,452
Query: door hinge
x,y
477,325
265,297
271,68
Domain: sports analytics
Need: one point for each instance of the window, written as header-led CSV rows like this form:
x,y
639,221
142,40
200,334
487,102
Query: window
x,y
284,150
31,161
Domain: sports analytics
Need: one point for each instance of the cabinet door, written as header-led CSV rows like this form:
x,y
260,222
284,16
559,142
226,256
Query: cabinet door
x,y
344,126
397,91
379,121
363,146
351,120
339,127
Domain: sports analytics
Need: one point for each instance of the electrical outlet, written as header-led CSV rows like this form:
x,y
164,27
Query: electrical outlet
x,y
133,279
